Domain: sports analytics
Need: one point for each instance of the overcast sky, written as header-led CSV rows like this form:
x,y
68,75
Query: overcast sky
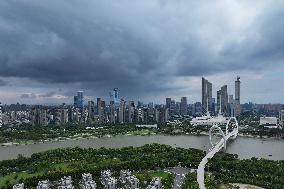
x,y
150,49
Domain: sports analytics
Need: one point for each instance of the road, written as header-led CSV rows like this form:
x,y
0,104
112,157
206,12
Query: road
x,y
180,173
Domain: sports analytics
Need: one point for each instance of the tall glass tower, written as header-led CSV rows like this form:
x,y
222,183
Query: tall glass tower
x,y
80,99
115,95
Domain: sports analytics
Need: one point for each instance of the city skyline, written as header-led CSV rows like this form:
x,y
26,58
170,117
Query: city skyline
x,y
150,50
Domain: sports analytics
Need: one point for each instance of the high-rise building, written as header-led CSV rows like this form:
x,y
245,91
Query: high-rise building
x,y
80,99
281,117
197,108
172,108
231,105
168,103
75,101
101,109
213,106
112,112
206,95
91,110
222,100
151,108
61,116
238,96
121,113
140,104
115,95
1,118
177,108
183,106
98,105
131,108
39,117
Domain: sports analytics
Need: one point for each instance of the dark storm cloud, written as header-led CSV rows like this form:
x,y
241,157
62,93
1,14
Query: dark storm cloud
x,y
28,96
133,45
3,83
35,96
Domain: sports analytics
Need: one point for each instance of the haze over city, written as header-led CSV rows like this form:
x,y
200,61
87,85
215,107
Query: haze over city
x,y
148,49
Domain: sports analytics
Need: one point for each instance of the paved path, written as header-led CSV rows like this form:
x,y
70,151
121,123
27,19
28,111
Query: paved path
x,y
180,173
204,161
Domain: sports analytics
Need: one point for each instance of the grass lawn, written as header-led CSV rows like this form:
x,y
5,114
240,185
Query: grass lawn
x,y
147,176
15,177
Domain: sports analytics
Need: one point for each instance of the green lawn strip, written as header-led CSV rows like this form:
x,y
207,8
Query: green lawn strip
x,y
167,178
16,177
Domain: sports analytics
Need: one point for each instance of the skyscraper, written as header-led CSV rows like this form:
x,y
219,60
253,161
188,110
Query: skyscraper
x,y
206,95
115,95
222,100
1,119
168,103
183,106
91,110
80,99
231,106
121,113
238,96
75,101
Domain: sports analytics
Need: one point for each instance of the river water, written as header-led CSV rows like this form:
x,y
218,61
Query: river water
x,y
245,147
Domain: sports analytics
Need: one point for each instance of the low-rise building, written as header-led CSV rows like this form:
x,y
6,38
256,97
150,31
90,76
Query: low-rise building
x,y
43,184
156,183
19,186
65,183
148,126
269,122
281,117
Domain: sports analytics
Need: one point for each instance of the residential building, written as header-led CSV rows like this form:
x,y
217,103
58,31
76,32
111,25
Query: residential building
x,y
91,110
281,117
183,106
65,183
19,186
43,184
107,180
129,180
87,181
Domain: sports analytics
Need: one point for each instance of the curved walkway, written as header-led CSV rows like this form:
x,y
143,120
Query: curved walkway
x,y
204,161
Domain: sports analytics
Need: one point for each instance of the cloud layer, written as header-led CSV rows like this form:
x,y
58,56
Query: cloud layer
x,y
143,47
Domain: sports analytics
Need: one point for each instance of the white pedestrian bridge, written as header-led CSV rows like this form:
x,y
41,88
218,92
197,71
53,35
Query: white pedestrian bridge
x,y
232,129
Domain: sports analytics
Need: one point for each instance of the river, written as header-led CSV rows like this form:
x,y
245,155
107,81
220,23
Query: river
x,y
245,147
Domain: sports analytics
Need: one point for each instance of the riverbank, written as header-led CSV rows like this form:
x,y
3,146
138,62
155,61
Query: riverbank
x,y
54,164
244,147
139,133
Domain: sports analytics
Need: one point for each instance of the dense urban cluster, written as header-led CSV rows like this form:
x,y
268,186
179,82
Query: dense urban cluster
x,y
120,111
